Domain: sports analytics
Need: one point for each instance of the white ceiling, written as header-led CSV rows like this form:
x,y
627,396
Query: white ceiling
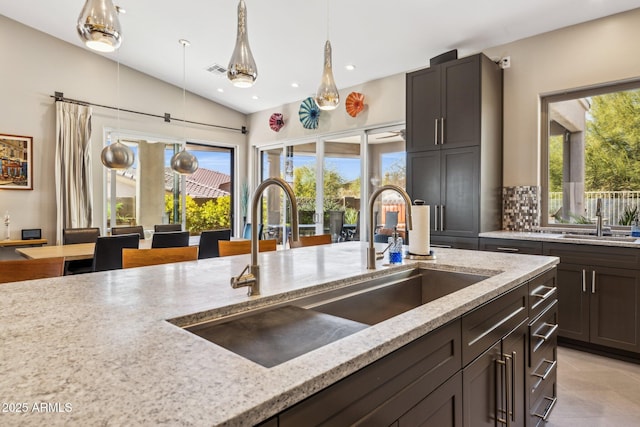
x,y
379,37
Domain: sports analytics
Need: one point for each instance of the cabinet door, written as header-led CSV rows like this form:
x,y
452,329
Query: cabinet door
x,y
423,109
460,190
573,302
423,171
615,298
442,408
514,352
479,389
461,102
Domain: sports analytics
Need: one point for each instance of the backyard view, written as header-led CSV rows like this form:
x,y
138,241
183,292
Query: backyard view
x,y
597,159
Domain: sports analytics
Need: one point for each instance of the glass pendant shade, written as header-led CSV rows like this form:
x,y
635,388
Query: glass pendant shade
x,y
117,156
242,70
327,96
184,163
99,26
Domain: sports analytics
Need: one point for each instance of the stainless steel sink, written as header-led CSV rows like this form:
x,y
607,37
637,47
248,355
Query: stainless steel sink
x,y
277,333
600,238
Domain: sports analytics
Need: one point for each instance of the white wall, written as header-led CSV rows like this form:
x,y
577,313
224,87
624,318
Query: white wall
x,y
384,100
35,65
597,52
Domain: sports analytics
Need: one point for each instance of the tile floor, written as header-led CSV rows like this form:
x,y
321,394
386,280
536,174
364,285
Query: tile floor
x,y
595,391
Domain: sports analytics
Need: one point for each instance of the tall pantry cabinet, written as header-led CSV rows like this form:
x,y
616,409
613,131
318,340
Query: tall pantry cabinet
x,y
454,147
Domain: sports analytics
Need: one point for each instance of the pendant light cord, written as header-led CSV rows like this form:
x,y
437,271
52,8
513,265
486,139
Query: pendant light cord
x,y
118,91
327,19
184,92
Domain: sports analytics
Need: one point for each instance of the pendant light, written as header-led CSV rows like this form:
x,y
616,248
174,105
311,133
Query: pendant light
x,y
117,155
99,26
184,162
327,96
242,70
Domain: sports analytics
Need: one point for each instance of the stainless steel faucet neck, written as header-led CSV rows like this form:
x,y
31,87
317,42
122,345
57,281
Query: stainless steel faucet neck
x,y
371,251
599,217
252,278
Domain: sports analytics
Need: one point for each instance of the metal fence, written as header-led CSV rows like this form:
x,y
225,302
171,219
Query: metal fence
x,y
614,204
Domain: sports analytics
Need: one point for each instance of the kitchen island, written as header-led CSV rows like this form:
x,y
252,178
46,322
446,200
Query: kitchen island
x,y
98,348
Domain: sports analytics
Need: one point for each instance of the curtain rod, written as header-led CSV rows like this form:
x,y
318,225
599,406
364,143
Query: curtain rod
x,y
59,96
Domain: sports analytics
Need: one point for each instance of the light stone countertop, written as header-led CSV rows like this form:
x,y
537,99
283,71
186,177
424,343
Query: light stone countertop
x,y
558,237
98,349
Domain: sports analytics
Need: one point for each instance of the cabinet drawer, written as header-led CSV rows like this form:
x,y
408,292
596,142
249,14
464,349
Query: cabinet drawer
x,y
380,393
606,256
543,372
543,333
541,409
487,324
454,242
511,246
543,291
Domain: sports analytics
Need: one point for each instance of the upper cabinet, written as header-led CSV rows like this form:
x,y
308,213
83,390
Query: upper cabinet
x,y
444,105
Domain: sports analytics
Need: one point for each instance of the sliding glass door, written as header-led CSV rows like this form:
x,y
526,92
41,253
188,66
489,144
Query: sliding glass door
x,y
150,193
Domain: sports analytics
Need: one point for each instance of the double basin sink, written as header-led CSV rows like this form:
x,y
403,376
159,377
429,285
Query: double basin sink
x,y
274,334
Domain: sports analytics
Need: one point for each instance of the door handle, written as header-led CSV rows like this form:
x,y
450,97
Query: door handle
x,y
441,130
435,136
501,395
435,219
441,217
584,280
593,282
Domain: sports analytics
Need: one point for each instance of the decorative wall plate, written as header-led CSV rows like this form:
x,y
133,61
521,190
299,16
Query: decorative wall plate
x,y
276,121
354,103
309,113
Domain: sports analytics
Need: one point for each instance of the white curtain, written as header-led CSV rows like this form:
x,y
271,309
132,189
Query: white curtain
x,y
73,167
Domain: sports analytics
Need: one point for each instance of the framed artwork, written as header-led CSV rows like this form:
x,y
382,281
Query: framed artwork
x,y
16,159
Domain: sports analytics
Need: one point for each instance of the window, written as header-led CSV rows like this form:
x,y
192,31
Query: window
x,y
591,147
150,192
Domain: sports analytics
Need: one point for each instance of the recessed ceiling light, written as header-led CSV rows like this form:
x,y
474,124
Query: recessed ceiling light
x,y
254,97
350,67
220,90
294,84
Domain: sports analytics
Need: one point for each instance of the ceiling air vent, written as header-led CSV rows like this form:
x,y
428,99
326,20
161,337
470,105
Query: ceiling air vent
x,y
217,70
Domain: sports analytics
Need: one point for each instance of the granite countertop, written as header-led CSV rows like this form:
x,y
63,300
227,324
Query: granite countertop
x,y
97,349
558,235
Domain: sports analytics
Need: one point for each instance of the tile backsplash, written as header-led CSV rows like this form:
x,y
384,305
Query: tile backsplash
x,y
520,210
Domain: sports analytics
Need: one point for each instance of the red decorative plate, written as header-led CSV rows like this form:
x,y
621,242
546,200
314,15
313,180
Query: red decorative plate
x,y
354,104
276,121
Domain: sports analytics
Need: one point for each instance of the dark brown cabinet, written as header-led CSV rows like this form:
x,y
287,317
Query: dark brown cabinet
x,y
442,408
447,180
598,304
443,105
454,145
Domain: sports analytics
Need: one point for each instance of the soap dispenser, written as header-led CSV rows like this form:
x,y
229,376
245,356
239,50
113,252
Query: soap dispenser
x,y
395,247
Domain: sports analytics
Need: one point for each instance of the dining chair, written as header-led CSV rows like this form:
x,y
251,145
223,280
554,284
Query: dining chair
x,y
28,269
319,239
246,232
238,247
107,254
336,225
166,227
128,230
142,257
170,239
208,247
72,236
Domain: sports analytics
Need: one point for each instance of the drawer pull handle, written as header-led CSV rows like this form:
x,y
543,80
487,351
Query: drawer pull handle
x,y
441,246
544,416
552,365
549,334
545,295
508,249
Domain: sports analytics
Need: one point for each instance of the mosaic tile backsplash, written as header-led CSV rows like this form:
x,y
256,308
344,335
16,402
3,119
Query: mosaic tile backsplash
x,y
520,211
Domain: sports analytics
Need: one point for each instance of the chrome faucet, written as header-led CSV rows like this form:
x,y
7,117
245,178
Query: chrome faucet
x,y
599,217
250,276
371,251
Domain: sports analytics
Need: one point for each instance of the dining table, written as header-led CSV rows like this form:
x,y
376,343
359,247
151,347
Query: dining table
x,y
78,251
